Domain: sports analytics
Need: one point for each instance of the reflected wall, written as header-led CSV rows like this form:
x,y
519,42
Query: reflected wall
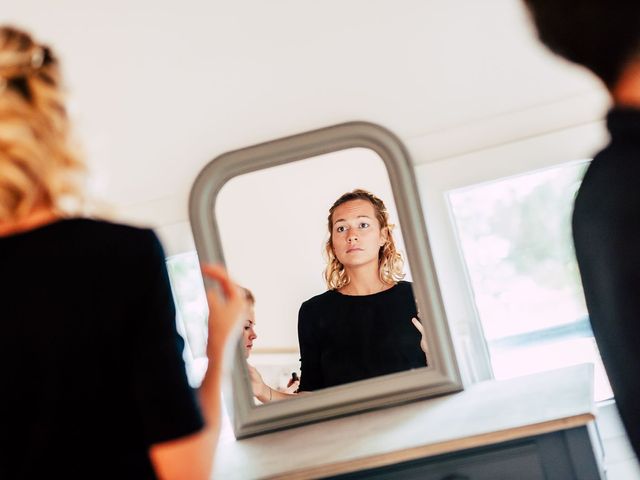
x,y
273,228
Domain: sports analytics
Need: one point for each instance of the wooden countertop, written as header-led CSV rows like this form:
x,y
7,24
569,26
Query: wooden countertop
x,y
482,414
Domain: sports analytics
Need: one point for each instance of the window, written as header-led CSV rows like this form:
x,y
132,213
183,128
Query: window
x,y
192,311
515,237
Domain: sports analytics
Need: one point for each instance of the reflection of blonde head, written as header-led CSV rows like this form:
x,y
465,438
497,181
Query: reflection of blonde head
x,y
37,164
390,263
248,295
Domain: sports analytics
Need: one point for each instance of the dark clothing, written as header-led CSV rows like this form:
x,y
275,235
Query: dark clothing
x,y
606,231
346,338
90,363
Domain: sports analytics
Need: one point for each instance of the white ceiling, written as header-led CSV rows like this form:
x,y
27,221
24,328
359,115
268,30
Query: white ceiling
x,y
159,88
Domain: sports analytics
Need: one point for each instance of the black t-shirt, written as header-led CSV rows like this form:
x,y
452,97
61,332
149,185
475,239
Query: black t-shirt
x,y
90,361
606,232
345,338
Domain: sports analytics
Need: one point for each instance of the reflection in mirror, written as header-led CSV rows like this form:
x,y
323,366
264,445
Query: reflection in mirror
x,y
330,309
349,333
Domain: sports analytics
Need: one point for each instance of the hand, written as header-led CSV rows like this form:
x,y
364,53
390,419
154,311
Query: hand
x,y
292,387
294,378
226,309
191,456
423,340
260,389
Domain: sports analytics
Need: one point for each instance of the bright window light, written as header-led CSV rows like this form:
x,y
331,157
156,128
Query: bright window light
x,y
515,237
192,311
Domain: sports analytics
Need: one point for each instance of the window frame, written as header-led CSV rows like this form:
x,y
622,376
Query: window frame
x,y
436,179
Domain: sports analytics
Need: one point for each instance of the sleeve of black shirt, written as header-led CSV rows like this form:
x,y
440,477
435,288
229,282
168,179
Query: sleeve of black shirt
x,y
308,337
167,404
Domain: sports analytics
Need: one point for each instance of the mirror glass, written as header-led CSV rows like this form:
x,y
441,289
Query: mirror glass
x,y
345,346
273,229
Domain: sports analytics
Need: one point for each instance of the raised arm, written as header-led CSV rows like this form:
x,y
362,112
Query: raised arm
x,y
192,456
264,392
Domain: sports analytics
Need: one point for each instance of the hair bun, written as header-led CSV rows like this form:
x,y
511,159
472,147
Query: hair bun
x,y
17,64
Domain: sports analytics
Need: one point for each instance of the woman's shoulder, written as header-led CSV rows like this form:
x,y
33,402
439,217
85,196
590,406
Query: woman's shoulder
x,y
401,290
101,225
406,288
106,228
319,301
82,229
98,235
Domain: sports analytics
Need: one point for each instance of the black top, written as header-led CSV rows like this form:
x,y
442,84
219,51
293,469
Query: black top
x,y
346,338
90,362
606,231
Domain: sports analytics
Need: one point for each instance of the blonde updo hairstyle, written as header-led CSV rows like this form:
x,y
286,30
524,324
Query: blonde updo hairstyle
x,y
390,262
248,296
38,166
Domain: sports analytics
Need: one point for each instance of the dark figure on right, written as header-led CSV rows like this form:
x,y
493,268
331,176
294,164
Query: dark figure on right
x,y
604,36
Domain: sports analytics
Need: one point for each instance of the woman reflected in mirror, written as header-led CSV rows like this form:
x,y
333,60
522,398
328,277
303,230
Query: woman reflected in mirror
x,y
365,325
263,392
248,329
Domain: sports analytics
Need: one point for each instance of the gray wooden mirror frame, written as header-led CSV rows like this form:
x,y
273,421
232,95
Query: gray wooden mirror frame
x,y
442,374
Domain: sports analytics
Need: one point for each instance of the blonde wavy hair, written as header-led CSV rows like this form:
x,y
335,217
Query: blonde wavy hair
x,y
38,165
390,262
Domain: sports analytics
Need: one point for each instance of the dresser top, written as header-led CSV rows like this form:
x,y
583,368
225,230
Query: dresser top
x,y
482,414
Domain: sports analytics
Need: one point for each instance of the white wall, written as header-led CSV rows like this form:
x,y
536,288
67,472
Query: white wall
x,y
159,88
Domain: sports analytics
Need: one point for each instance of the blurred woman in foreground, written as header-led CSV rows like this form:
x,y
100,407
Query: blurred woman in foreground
x,y
94,384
